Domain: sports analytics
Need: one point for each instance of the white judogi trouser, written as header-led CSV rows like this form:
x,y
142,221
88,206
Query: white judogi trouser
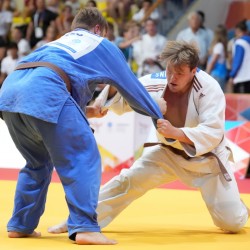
x,y
158,166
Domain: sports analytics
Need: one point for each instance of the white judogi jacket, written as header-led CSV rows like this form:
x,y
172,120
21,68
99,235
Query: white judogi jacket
x,y
205,117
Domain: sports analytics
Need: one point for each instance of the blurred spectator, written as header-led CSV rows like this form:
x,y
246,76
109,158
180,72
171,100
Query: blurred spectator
x,y
163,8
51,35
240,74
230,44
111,32
119,10
10,5
91,3
216,65
248,25
194,33
54,6
9,62
64,20
146,5
131,34
23,45
147,50
5,24
75,5
41,19
3,49
29,8
210,33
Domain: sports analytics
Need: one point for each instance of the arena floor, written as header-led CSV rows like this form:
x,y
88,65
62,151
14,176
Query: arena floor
x,y
165,218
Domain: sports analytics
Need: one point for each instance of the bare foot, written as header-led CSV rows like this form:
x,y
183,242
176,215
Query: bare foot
x,y
93,238
58,229
13,234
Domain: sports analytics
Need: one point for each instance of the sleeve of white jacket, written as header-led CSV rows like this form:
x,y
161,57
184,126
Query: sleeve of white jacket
x,y
117,103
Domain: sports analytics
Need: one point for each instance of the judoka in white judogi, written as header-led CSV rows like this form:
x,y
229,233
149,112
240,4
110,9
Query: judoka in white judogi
x,y
204,125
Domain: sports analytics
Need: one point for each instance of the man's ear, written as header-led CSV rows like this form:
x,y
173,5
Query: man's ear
x,y
194,70
97,29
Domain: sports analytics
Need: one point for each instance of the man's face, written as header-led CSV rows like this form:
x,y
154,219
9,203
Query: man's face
x,y
13,52
194,22
179,77
150,27
40,4
145,5
238,33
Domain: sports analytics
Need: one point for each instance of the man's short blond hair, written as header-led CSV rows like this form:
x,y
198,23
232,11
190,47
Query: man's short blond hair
x,y
180,53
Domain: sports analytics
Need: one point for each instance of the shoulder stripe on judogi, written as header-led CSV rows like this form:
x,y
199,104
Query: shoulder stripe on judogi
x,y
195,87
155,88
197,81
196,84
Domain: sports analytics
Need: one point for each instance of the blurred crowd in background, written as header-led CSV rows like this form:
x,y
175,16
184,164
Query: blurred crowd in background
x,y
135,27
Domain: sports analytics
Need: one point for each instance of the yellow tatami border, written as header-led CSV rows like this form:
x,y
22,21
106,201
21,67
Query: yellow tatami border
x,y
161,219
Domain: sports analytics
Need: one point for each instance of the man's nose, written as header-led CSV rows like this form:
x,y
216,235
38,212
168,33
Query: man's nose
x,y
172,77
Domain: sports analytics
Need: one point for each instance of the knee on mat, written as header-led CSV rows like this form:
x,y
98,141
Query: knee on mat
x,y
230,226
230,221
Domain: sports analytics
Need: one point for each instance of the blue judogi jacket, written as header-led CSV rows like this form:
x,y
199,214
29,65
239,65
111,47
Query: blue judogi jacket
x,y
87,59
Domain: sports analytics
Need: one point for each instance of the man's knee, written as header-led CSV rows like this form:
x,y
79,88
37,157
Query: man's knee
x,y
124,183
230,225
231,219
116,186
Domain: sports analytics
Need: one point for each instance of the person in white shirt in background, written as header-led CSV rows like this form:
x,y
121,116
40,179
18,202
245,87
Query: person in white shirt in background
x,y
146,51
131,33
194,33
210,32
239,76
51,35
9,62
23,45
217,64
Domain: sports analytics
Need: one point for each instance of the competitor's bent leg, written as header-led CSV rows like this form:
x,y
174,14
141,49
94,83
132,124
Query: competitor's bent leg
x,y
145,174
224,204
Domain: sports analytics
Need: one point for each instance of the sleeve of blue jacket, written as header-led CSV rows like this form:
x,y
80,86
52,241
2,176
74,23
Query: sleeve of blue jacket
x,y
237,60
128,85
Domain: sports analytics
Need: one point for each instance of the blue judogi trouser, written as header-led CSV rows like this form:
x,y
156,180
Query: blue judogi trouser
x,y
68,145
